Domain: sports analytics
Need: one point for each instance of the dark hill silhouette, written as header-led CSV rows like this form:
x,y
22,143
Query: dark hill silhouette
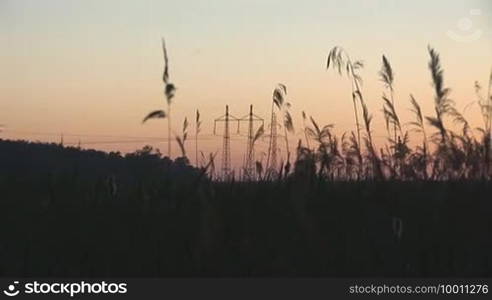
x,y
67,212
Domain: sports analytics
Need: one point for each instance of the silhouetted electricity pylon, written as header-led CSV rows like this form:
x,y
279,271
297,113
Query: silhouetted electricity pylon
x,y
250,151
226,144
271,167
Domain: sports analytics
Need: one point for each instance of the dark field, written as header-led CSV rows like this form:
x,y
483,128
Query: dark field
x,y
68,213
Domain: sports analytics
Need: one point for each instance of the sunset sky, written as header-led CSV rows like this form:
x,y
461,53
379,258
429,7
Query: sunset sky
x,y
92,69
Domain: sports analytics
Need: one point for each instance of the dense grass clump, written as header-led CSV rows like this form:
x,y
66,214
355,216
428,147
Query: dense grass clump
x,y
70,212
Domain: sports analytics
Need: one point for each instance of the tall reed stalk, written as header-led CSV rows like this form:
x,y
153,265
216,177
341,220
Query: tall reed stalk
x,y
197,131
169,92
339,59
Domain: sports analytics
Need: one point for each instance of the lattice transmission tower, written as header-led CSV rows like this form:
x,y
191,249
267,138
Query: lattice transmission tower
x,y
226,143
249,159
271,167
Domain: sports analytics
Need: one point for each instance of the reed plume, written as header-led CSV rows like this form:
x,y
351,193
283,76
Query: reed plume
x,y
386,75
442,103
339,59
198,123
421,156
305,129
181,140
169,92
279,101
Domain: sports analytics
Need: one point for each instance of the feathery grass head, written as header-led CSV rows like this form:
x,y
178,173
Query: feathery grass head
x,y
419,123
386,73
289,125
319,134
165,75
443,103
182,140
279,94
485,103
198,122
339,59
390,114
459,119
169,89
259,133
367,119
157,114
